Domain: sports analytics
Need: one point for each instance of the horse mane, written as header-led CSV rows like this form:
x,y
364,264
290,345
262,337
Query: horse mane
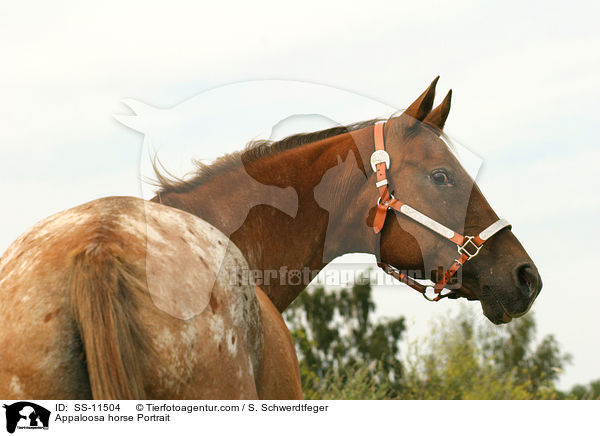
x,y
254,151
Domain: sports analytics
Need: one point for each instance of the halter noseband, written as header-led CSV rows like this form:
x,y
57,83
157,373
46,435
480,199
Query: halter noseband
x,y
468,246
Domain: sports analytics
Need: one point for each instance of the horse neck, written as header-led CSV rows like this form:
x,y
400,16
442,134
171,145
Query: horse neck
x,y
289,213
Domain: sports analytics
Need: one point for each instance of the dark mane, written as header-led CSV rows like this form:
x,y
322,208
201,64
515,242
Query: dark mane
x,y
254,151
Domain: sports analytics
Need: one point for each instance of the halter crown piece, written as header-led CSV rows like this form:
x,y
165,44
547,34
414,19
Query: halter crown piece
x,y
468,246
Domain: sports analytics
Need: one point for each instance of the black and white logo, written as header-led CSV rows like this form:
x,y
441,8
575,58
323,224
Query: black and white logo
x,y
26,415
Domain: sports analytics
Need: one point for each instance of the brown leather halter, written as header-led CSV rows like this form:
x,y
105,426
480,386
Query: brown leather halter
x,y
468,246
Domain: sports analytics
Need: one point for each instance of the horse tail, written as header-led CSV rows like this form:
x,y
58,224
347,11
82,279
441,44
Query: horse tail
x,y
105,293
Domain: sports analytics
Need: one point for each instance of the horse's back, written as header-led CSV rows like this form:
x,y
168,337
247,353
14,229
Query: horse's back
x,y
155,279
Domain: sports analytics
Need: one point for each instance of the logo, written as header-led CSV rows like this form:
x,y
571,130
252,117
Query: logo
x,y
26,415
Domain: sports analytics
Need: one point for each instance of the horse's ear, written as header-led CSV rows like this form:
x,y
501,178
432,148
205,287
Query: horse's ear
x,y
422,105
437,117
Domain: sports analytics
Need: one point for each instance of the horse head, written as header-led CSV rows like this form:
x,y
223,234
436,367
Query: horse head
x,y
426,174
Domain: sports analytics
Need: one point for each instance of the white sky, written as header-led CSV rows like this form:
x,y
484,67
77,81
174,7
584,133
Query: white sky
x,y
525,100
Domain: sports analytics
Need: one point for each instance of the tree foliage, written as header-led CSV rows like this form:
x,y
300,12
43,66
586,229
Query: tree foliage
x,y
345,354
471,359
335,336
589,392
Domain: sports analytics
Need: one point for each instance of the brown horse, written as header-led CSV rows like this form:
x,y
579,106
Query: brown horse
x,y
80,319
336,208
123,298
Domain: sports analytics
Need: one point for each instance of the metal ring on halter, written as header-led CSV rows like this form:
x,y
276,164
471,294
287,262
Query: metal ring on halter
x,y
436,295
430,298
387,202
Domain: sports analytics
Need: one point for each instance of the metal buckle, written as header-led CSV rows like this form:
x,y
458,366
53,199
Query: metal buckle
x,y
380,156
462,249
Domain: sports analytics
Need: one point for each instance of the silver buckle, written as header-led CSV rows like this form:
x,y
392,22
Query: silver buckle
x,y
462,249
380,156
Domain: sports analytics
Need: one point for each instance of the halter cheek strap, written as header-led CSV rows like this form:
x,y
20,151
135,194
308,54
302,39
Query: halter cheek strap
x,y
468,246
380,161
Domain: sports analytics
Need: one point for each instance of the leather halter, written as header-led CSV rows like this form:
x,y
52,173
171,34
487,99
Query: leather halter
x,y
468,246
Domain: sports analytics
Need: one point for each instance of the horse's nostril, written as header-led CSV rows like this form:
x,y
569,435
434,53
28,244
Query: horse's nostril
x,y
529,280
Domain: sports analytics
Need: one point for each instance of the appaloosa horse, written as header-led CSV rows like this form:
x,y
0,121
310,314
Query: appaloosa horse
x,y
125,298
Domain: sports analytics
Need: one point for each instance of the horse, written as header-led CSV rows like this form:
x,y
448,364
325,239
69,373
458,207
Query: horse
x,y
80,321
124,298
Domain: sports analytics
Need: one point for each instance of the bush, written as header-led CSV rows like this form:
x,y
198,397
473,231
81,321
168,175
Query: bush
x,y
338,343
474,360
589,392
345,354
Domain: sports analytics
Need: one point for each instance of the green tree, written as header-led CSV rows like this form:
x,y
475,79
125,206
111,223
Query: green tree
x,y
337,339
589,392
345,354
468,358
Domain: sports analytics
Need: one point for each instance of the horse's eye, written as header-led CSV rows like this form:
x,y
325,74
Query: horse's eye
x,y
440,177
